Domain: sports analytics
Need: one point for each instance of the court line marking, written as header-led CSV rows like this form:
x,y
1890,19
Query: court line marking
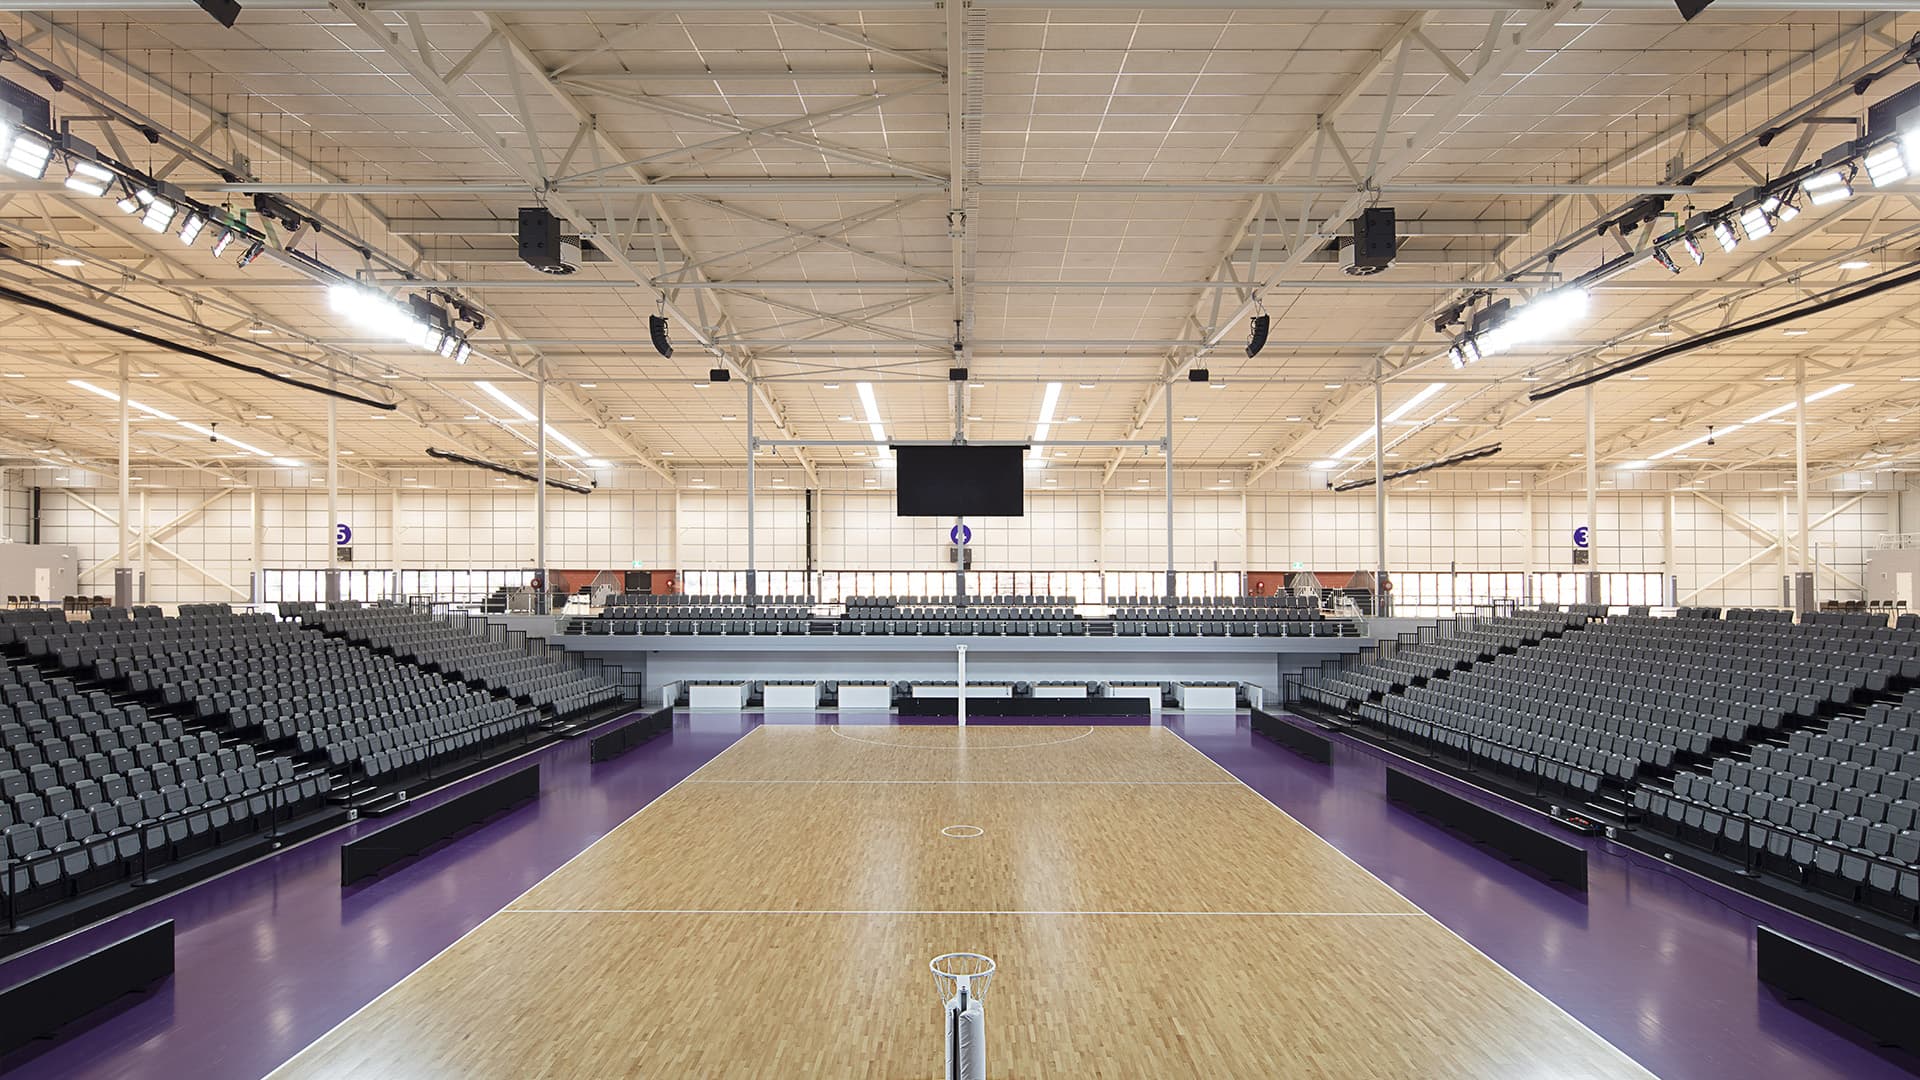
x,y
1556,1006
1007,746
1415,914
1039,783
375,1000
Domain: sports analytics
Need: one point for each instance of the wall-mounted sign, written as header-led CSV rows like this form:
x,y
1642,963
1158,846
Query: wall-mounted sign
x,y
960,534
342,534
1582,537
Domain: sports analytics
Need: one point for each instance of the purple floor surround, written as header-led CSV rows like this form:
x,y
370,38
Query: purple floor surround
x,y
273,955
1656,961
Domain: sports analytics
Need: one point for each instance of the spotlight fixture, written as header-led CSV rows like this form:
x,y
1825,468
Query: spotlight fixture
x,y
190,229
1782,206
1257,339
657,330
1664,258
88,177
1692,247
26,153
1829,185
253,252
1756,222
1886,165
159,214
1723,232
223,241
1198,374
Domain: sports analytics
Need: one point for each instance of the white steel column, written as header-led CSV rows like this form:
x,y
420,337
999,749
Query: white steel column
x,y
960,701
332,592
122,569
254,518
1380,599
1593,509
1800,482
540,495
393,539
1669,588
1166,451
752,453
146,550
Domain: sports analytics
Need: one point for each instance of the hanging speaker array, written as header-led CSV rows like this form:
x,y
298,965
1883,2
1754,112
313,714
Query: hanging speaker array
x,y
657,329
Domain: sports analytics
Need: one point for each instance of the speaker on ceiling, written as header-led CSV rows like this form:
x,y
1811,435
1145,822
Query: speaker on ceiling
x,y
1258,338
657,330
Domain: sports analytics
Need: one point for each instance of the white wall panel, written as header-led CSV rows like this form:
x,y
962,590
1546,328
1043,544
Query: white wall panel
x,y
1714,551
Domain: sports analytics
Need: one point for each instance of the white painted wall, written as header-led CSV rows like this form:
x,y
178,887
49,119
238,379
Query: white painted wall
x,y
1720,539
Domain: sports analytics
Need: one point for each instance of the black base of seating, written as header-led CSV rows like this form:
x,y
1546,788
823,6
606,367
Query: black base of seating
x,y
593,716
621,739
1297,739
1524,844
375,852
1090,706
38,925
1882,1009
1885,931
41,1006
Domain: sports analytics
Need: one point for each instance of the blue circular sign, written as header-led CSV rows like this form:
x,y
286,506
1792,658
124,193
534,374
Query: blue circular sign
x,y
1581,536
960,534
342,534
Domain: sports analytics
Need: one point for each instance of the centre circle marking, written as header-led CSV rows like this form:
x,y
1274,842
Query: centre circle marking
x,y
963,832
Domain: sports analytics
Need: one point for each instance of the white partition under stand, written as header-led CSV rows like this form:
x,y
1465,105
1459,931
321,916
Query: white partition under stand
x,y
952,690
1070,690
670,693
789,695
1150,691
866,696
1206,697
717,696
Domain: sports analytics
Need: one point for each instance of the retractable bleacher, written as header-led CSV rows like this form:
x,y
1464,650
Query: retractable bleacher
x,y
456,654
1786,749
97,787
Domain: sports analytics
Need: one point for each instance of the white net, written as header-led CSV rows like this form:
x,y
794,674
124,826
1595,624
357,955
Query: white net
x,y
953,969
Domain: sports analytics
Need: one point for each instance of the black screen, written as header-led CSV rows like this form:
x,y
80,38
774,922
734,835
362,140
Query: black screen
x,y
961,481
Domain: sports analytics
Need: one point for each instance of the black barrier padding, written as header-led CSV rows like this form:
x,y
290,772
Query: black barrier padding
x,y
39,1007
375,852
612,744
1297,739
1524,844
1883,1009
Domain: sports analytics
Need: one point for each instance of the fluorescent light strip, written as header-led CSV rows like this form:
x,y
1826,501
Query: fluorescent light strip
x,y
1048,402
875,426
1758,419
500,396
524,413
111,396
1408,406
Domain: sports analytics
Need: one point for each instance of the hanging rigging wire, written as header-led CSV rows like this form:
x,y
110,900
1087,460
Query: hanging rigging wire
x,y
1829,300
163,313
29,300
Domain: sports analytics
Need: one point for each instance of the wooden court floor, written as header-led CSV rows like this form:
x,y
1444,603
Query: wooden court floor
x,y
773,915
